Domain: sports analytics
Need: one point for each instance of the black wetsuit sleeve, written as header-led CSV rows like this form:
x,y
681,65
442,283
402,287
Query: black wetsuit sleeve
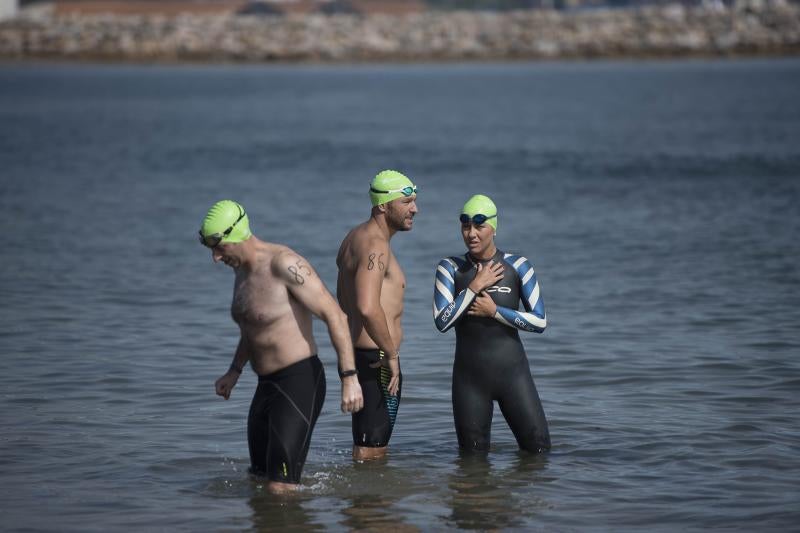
x,y
448,307
534,317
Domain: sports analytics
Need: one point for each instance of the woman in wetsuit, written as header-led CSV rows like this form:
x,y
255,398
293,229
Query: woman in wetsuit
x,y
479,293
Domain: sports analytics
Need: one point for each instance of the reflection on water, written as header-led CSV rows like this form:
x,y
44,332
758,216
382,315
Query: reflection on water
x,y
377,487
483,496
284,512
373,512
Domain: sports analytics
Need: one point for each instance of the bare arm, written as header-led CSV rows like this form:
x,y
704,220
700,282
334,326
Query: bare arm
x,y
371,269
307,288
372,260
225,384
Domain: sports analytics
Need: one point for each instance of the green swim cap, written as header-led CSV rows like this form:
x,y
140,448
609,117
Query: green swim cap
x,y
390,185
225,215
481,205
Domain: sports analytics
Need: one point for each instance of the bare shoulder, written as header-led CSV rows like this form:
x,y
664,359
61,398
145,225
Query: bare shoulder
x,y
359,243
283,255
346,245
290,266
368,241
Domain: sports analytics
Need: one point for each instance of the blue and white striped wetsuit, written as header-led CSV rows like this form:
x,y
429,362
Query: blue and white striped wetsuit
x,y
490,362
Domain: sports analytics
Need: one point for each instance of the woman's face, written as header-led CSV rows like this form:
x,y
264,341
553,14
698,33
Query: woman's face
x,y
479,239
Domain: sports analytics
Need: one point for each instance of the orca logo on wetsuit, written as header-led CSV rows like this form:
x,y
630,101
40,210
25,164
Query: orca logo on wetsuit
x,y
495,288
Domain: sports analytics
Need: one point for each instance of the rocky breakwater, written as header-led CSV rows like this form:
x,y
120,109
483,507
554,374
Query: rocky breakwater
x,y
749,27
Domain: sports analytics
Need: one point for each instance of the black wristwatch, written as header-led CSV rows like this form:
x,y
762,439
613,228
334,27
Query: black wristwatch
x,y
346,373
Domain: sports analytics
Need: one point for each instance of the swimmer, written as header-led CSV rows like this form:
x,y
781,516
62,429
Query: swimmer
x,y
274,295
479,293
370,289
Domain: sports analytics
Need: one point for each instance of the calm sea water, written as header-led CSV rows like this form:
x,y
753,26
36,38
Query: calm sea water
x,y
658,202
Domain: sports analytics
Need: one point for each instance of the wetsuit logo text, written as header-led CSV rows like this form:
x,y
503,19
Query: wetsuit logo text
x,y
448,311
522,324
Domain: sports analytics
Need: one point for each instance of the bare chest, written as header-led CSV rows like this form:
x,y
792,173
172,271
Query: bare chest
x,y
394,277
257,300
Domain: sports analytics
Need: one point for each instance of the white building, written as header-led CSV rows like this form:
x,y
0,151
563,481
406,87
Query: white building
x,y
8,9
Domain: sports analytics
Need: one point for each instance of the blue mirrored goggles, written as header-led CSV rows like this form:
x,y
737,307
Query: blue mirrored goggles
x,y
476,219
214,239
407,191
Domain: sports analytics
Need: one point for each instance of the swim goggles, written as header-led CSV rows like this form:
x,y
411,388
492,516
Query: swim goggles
x,y
215,238
407,191
476,219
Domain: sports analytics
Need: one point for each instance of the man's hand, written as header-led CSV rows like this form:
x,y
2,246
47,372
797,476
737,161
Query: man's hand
x,y
486,276
394,368
482,305
393,364
352,400
225,384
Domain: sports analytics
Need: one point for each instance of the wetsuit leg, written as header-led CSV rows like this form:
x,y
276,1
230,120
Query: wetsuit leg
x,y
522,409
373,425
282,416
472,412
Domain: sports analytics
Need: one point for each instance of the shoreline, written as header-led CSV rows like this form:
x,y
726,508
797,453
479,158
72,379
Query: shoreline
x,y
432,61
748,29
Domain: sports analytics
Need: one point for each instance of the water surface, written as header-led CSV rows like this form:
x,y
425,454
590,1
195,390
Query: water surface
x,y
657,201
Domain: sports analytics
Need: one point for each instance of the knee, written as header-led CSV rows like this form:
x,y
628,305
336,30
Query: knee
x,y
474,446
535,442
473,441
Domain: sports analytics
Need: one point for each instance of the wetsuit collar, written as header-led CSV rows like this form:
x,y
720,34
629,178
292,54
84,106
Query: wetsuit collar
x,y
497,256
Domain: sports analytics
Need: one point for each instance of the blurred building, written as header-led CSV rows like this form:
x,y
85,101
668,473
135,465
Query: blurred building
x,y
244,7
332,7
146,7
8,9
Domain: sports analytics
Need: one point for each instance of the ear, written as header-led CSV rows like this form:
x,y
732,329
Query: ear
x,y
382,208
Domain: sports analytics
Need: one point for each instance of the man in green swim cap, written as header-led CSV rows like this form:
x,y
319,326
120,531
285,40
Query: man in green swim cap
x,y
275,293
370,289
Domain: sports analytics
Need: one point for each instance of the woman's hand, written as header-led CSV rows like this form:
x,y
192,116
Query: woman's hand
x,y
482,305
486,277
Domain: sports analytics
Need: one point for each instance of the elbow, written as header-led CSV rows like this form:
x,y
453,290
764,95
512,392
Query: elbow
x,y
444,320
339,317
447,318
333,316
367,310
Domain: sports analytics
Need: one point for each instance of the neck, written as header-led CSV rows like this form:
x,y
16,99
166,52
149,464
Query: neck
x,y
250,252
379,218
486,255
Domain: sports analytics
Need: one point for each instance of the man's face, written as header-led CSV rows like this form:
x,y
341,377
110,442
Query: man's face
x,y
478,238
227,253
400,213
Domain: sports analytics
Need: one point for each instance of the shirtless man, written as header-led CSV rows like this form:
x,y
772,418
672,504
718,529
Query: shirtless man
x,y
275,293
370,289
